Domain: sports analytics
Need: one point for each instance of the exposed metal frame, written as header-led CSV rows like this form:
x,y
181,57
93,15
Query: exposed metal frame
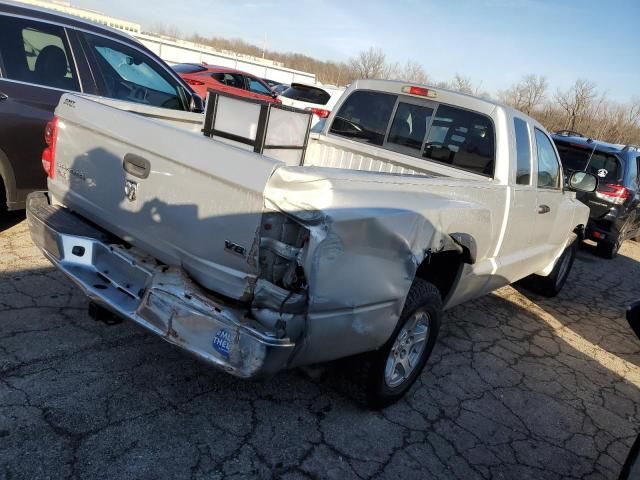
x,y
258,144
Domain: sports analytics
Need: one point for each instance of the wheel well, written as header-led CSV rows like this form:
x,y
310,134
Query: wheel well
x,y
442,270
4,199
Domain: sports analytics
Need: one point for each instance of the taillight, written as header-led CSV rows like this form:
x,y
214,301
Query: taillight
x,y
193,82
321,112
616,194
49,153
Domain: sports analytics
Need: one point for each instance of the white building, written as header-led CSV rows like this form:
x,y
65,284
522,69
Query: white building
x,y
97,17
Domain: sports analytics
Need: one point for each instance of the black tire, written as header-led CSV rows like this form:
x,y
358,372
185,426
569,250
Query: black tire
x,y
551,285
366,381
608,250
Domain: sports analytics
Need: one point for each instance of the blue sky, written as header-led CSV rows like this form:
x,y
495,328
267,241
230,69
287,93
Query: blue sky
x,y
494,42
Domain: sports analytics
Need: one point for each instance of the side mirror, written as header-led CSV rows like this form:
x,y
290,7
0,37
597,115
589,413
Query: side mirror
x,y
633,317
196,104
583,182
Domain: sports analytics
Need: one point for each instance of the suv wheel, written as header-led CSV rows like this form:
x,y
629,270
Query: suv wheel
x,y
551,285
609,249
380,378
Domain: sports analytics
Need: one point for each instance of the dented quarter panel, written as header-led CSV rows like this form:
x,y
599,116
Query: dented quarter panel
x,y
367,238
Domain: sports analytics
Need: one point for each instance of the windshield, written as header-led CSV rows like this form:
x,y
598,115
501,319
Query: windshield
x,y
307,94
605,165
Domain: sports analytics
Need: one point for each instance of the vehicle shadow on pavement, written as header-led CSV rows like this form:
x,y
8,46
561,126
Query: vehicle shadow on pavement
x,y
503,396
10,219
593,302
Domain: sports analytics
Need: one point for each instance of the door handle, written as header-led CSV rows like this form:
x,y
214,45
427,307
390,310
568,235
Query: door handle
x,y
3,96
136,165
543,209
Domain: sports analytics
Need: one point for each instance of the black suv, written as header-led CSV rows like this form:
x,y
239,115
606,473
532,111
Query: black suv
x,y
44,54
615,206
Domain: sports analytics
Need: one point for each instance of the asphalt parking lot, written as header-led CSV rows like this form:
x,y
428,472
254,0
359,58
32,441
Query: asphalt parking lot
x,y
518,387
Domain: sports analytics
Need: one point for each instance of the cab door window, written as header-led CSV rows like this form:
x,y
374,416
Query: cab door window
x,y
523,152
37,53
128,74
548,164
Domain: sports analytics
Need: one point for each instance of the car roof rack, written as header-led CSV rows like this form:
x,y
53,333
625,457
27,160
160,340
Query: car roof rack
x,y
568,133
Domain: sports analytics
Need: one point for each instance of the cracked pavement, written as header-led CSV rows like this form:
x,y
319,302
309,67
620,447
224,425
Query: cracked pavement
x,y
518,386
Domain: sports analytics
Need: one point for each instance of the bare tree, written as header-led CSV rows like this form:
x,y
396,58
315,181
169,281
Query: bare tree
x,y
527,94
410,72
370,64
576,100
461,84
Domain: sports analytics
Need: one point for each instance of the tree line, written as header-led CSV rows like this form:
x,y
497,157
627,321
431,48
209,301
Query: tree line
x,y
581,107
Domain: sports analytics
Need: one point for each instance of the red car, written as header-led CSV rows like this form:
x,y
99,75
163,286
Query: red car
x,y
202,77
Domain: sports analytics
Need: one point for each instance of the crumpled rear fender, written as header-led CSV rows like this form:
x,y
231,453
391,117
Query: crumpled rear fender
x,y
362,256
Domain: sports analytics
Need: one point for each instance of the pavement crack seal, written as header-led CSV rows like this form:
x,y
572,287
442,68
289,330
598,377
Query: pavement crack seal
x,y
611,362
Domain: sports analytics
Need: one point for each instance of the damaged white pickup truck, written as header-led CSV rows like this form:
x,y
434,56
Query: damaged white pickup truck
x,y
258,247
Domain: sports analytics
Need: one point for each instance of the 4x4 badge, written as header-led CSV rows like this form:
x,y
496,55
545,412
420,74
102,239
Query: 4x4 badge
x,y
130,189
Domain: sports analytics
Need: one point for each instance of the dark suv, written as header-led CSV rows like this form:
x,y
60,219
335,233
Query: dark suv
x,y
615,205
44,54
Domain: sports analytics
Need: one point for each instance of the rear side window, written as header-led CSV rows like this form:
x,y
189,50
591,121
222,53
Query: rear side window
x,y
303,93
409,126
234,80
128,74
604,165
462,139
364,117
38,53
548,165
188,68
523,151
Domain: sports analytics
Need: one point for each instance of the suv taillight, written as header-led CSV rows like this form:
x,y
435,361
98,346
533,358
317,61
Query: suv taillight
x,y
321,112
196,83
616,194
49,153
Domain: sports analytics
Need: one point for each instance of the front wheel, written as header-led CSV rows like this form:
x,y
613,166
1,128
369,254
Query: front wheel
x,y
382,377
551,285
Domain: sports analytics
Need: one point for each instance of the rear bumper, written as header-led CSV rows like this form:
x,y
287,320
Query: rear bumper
x,y
606,228
164,300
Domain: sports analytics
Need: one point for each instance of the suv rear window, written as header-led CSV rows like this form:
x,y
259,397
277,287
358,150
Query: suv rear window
x,y
605,165
188,68
308,94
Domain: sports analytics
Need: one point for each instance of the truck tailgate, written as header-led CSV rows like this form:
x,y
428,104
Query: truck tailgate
x,y
186,199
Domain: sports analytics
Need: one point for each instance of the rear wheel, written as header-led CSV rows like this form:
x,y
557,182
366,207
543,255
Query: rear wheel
x,y
551,285
381,378
609,249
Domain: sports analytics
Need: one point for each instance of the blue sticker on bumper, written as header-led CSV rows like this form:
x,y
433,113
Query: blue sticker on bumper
x,y
222,342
